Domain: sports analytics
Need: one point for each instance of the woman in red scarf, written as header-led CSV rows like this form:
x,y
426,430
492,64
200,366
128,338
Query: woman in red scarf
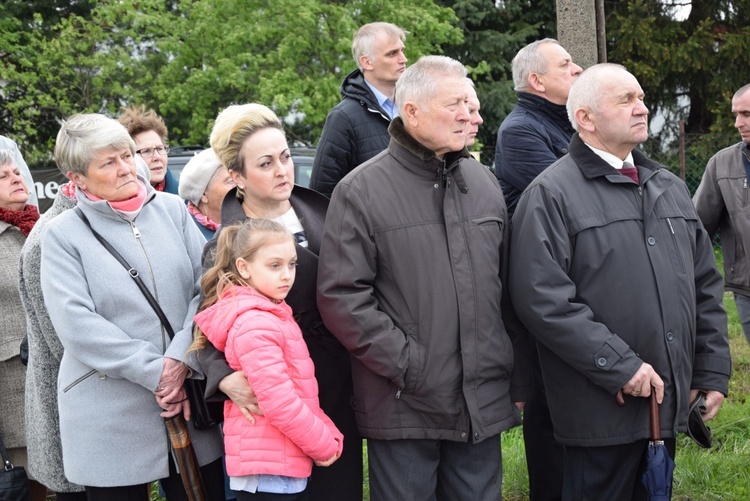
x,y
16,220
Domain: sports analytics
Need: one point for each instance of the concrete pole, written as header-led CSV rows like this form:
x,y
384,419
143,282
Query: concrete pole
x,y
576,30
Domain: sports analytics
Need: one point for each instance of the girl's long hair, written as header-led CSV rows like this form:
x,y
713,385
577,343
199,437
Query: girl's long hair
x,y
241,240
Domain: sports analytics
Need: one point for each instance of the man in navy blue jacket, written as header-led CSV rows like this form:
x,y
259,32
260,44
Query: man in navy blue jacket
x,y
537,131
531,138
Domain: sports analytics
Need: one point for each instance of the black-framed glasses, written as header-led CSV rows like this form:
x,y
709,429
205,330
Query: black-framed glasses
x,y
149,152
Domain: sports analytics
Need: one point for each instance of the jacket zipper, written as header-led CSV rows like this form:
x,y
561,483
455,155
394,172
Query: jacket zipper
x,y
80,380
137,235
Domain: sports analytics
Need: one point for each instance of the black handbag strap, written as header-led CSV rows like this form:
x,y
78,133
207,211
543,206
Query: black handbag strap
x,y
132,272
5,457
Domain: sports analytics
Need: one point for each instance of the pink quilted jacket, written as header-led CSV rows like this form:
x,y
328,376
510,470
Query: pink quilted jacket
x,y
262,339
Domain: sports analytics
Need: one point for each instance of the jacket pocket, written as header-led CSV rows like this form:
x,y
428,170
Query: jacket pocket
x,y
735,193
79,380
489,220
414,371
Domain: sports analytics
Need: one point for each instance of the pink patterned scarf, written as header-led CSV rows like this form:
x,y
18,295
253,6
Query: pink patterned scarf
x,y
201,218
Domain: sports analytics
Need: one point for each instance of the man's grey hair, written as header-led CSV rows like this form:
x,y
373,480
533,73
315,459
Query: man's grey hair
x,y
7,157
418,83
588,89
363,42
529,60
83,136
741,92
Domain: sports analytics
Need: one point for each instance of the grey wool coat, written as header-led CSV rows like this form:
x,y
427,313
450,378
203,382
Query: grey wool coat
x,y
12,376
111,431
45,351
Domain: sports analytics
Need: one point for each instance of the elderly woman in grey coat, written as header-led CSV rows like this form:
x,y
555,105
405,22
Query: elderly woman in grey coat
x,y
120,372
16,220
45,351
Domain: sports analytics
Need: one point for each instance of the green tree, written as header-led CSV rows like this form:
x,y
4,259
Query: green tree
x,y
188,59
689,68
76,63
290,54
493,32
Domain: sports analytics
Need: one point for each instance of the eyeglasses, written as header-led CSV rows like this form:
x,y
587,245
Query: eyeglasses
x,y
149,152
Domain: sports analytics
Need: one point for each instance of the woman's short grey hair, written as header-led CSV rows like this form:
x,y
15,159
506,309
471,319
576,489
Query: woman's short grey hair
x,y
529,60
83,136
418,83
7,158
363,42
588,89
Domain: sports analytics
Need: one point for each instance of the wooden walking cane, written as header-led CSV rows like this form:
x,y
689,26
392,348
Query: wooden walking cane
x,y
184,454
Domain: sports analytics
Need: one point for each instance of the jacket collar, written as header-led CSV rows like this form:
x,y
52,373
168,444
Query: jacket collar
x,y
592,165
556,112
354,87
102,206
427,157
308,205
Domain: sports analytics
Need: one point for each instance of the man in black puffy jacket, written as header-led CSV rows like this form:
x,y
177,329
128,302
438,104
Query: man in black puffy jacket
x,y
356,129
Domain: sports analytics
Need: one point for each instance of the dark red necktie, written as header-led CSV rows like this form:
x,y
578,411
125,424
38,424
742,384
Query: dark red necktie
x,y
629,170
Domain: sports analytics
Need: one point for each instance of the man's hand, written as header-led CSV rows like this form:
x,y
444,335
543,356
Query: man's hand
x,y
236,387
714,400
642,381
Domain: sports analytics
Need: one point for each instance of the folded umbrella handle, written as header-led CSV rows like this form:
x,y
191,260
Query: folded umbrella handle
x,y
654,414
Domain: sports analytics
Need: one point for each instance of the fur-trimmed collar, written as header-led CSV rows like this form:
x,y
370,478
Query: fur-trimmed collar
x,y
399,134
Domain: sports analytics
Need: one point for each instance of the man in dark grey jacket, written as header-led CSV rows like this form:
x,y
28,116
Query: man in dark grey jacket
x,y
356,129
410,281
615,276
723,205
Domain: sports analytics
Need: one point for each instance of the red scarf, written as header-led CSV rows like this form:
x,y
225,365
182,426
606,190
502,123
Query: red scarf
x,y
24,219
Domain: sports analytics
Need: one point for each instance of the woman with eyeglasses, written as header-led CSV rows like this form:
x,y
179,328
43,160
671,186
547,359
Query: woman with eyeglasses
x,y
149,132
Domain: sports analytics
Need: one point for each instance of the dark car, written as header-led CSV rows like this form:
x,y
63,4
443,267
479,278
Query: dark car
x,y
179,156
302,158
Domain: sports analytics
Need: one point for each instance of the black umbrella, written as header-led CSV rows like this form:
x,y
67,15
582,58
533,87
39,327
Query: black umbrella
x,y
185,455
660,467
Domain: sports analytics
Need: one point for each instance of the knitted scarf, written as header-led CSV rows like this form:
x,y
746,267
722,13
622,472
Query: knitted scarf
x,y
201,218
69,190
24,219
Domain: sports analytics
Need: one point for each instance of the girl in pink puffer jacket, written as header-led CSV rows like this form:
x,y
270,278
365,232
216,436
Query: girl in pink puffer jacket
x,y
245,316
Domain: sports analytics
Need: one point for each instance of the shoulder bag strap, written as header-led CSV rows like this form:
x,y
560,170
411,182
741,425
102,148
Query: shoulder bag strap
x,y
4,457
132,272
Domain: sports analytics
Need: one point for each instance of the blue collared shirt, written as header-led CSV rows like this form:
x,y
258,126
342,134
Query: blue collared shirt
x,y
384,102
